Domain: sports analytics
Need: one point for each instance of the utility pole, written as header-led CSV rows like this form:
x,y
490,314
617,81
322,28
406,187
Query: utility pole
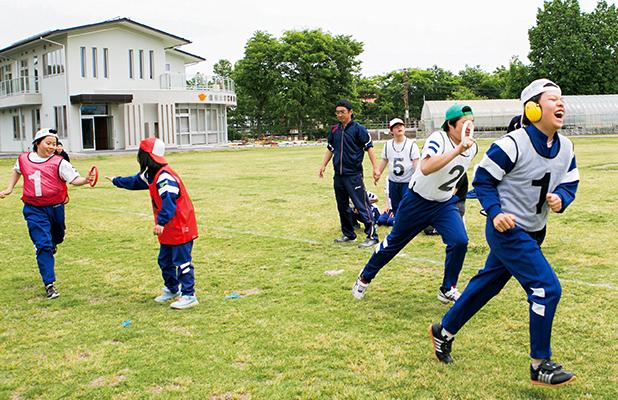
x,y
406,89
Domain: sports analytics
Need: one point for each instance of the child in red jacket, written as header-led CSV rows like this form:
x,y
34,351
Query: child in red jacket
x,y
175,224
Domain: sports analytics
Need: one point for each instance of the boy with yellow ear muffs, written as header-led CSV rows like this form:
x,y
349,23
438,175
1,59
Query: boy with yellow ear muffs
x,y
523,175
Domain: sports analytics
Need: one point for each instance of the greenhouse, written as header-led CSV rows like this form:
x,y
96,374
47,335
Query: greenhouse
x,y
585,114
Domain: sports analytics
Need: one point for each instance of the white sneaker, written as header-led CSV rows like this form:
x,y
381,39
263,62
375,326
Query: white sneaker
x,y
166,295
184,302
448,296
359,288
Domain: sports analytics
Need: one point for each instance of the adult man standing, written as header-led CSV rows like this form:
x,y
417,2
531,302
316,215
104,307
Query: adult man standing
x,y
347,142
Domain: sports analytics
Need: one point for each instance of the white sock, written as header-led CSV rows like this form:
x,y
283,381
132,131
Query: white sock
x,y
447,334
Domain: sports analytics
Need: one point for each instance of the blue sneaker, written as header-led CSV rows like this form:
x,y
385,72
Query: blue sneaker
x,y
184,302
166,295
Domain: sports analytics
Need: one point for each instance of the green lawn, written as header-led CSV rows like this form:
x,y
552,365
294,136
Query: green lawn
x,y
267,224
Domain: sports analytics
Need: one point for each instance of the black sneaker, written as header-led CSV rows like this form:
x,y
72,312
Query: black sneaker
x,y
430,231
52,292
344,239
368,243
550,374
441,345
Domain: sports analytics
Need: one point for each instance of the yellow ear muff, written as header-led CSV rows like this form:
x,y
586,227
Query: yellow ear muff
x,y
533,111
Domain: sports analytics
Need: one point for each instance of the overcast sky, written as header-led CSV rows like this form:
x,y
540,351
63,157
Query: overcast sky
x,y
396,34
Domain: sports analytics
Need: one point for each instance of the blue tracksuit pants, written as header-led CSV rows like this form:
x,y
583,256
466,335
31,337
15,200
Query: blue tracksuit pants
x,y
352,187
177,268
414,214
46,228
396,191
513,253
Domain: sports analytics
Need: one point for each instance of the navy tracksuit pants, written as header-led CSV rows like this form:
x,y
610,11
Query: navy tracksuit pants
x,y
414,214
46,228
352,187
177,267
396,191
513,253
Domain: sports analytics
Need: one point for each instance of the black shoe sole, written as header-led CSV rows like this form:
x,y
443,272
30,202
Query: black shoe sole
x,y
537,383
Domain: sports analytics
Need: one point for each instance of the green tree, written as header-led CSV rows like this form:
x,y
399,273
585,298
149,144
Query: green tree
x,y
257,82
317,69
601,37
576,50
478,83
464,93
223,68
513,79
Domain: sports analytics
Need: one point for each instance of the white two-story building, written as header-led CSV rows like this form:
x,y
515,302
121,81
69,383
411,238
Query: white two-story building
x,y
106,86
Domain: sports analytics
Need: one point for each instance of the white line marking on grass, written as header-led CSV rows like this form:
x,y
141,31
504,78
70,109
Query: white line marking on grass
x,y
313,242
595,285
224,229
424,260
116,210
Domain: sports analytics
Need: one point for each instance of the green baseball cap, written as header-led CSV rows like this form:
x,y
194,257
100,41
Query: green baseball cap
x,y
457,110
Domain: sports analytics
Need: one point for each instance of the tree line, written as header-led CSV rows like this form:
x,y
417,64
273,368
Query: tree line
x,y
289,84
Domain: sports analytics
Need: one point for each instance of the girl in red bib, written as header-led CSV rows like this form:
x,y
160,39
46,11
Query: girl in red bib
x,y
175,223
44,195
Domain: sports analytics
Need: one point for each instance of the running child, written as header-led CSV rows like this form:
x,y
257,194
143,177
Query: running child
x,y
430,201
175,223
44,195
523,175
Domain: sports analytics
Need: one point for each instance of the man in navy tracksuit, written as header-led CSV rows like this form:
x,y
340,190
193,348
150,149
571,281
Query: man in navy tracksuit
x,y
347,142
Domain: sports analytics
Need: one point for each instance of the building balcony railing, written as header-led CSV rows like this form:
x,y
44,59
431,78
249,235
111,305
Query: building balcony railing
x,y
196,82
21,85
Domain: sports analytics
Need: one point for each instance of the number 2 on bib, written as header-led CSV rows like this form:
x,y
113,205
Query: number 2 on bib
x,y
457,170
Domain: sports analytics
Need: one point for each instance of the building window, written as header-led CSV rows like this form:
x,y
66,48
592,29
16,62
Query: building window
x,y
35,114
168,67
53,62
151,54
35,68
141,64
24,79
95,63
82,61
16,127
105,63
131,64
6,85
60,115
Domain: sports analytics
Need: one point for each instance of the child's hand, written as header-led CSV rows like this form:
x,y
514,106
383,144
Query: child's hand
x,y
554,202
91,177
466,144
158,230
503,222
5,193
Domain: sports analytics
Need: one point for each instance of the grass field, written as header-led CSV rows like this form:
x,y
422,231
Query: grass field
x,y
267,224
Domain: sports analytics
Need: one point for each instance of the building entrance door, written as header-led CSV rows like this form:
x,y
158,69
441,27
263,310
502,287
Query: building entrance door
x,y
96,127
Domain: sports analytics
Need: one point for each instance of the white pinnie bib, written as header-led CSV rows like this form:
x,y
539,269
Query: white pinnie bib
x,y
439,186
